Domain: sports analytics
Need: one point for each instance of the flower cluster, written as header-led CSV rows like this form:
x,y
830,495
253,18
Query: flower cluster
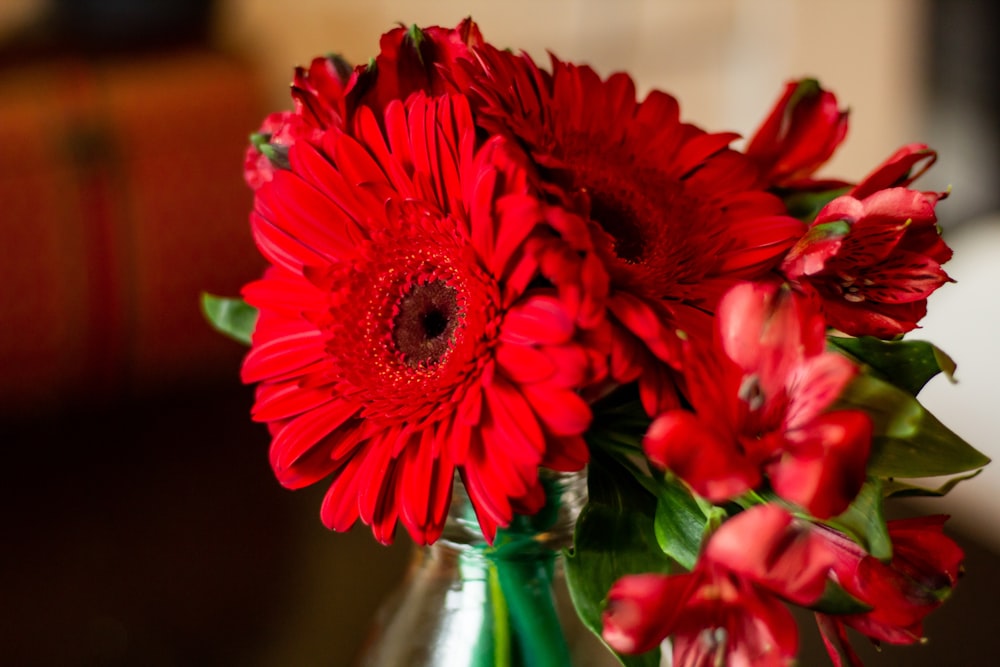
x,y
481,267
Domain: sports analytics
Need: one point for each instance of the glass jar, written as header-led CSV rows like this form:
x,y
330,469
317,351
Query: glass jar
x,y
465,603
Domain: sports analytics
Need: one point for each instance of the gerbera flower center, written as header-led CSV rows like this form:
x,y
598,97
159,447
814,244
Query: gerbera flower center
x,y
424,327
616,212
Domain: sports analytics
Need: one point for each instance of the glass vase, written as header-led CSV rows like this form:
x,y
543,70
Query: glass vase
x,y
465,603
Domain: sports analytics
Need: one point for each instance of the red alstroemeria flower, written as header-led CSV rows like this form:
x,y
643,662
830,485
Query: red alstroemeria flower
x,y
899,170
760,397
405,332
924,569
319,96
328,92
799,135
416,60
873,261
729,609
677,213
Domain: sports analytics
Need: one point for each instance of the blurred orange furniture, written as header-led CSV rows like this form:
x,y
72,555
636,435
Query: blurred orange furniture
x,y
121,199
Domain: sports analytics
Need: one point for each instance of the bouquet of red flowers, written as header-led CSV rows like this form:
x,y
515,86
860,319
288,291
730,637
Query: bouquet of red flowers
x,y
481,267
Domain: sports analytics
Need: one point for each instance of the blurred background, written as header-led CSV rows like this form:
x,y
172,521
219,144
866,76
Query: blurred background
x,y
142,524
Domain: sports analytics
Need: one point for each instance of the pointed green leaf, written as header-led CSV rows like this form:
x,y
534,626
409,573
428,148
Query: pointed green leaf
x,y
341,66
864,521
260,139
908,441
908,364
277,155
680,522
893,488
614,537
233,317
416,38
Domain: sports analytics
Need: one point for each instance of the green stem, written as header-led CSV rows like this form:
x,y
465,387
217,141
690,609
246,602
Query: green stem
x,y
523,628
527,586
501,627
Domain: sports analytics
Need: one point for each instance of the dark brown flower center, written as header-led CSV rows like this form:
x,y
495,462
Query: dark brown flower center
x,y
424,327
617,215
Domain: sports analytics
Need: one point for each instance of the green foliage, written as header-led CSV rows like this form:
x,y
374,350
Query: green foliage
x,y
908,441
908,364
893,488
864,521
806,205
614,537
682,521
835,600
232,317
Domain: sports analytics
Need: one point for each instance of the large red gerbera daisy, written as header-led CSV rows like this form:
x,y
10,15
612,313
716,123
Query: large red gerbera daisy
x,y
679,215
406,331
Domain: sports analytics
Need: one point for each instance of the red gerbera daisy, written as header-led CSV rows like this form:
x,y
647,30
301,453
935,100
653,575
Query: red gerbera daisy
x,y
404,330
679,215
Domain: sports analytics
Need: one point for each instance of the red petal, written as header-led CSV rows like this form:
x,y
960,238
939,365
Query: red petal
x,y
562,411
283,400
763,544
425,478
814,385
712,465
643,609
524,364
283,356
537,319
293,445
823,466
339,509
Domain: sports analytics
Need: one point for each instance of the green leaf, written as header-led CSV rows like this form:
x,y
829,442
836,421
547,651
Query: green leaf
x,y
341,66
614,537
893,488
835,600
680,522
806,205
864,520
908,364
908,441
233,317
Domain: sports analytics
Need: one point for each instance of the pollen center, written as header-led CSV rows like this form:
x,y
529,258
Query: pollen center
x,y
619,219
424,327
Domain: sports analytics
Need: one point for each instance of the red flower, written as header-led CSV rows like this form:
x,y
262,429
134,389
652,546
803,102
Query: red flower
x,y
798,136
729,609
899,170
416,60
873,261
760,396
320,104
924,569
405,331
328,93
676,213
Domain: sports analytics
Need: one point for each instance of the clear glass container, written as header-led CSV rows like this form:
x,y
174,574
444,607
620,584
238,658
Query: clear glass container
x,y
464,603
